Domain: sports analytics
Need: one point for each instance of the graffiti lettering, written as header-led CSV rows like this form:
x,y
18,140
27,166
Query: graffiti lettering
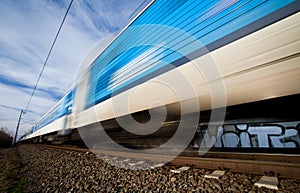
x,y
279,135
262,134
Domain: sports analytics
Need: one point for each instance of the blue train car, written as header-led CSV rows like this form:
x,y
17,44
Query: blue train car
x,y
250,48
57,118
174,33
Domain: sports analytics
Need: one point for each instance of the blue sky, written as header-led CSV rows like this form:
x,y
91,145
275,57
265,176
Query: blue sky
x,y
27,29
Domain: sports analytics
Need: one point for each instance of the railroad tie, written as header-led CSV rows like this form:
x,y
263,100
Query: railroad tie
x,y
268,182
157,166
216,174
179,170
136,163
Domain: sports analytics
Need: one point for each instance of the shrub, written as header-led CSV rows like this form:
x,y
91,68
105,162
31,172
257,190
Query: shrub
x,y
5,138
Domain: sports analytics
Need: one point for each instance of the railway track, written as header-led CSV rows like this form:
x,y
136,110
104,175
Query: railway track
x,y
287,166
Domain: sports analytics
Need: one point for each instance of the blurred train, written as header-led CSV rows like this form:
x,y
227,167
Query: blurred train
x,y
255,46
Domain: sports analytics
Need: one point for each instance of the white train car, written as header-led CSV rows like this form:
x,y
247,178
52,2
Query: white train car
x,y
221,53
59,120
254,45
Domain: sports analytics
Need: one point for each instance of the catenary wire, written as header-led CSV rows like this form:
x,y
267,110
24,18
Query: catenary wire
x,y
45,63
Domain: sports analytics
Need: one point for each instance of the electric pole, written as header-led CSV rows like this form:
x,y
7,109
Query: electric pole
x,y
18,125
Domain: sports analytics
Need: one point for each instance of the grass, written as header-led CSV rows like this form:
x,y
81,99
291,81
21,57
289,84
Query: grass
x,y
11,169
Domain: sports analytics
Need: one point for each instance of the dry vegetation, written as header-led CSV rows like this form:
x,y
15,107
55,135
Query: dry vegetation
x,y
5,138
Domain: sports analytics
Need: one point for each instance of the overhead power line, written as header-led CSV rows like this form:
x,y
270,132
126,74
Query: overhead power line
x,y
137,9
45,63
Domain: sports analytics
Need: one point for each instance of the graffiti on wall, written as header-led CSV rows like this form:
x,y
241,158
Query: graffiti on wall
x,y
279,135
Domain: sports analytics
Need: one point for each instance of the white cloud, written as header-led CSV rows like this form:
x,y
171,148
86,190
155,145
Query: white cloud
x,y
14,100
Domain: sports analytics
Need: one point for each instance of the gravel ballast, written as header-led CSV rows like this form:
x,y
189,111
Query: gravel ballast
x,y
55,170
